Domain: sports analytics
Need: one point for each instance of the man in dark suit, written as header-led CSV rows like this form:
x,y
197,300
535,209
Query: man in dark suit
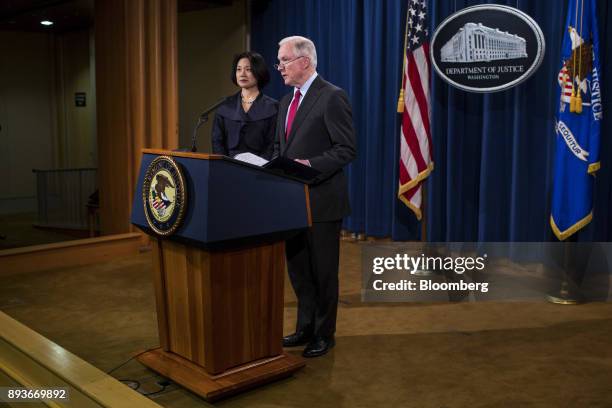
x,y
315,128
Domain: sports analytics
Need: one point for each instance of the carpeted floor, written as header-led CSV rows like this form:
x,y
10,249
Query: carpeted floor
x,y
422,355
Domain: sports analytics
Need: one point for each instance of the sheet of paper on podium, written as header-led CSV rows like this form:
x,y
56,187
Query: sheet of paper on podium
x,y
251,159
283,166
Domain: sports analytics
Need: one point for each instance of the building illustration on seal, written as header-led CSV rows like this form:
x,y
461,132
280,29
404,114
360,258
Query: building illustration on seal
x,y
476,42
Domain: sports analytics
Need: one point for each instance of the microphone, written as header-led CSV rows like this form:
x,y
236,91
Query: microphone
x,y
202,120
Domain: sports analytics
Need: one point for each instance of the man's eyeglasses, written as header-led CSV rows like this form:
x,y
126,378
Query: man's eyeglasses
x,y
280,66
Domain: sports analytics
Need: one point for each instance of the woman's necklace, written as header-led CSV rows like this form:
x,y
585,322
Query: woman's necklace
x,y
248,101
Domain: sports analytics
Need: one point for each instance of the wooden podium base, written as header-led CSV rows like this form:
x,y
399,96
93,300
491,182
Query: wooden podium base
x,y
214,387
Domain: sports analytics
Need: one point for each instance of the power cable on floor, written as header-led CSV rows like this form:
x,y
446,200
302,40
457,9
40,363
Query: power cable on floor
x,y
135,385
130,359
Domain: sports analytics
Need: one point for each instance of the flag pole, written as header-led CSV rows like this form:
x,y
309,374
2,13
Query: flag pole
x,y
400,99
424,212
427,249
568,293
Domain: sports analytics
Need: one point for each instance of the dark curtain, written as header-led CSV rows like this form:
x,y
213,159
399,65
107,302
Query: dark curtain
x,y
493,153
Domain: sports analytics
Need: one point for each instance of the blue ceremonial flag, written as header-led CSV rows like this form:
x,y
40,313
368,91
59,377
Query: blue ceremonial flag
x,y
578,121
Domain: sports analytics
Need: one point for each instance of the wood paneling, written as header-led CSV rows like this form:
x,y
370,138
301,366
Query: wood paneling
x,y
68,253
159,283
222,308
137,105
205,156
247,286
199,381
169,69
307,193
220,317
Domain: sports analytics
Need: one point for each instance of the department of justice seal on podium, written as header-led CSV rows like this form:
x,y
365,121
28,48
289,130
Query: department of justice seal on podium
x,y
164,196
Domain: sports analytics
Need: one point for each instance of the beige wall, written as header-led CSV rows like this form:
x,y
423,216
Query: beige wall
x,y
76,130
41,127
207,41
26,115
40,73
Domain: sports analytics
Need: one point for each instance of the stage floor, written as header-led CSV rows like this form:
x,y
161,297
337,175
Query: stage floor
x,y
451,355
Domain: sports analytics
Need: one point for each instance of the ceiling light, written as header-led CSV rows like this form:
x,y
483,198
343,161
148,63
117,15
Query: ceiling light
x,y
46,22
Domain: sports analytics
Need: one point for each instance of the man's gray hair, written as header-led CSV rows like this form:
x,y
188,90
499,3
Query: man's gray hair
x,y
302,47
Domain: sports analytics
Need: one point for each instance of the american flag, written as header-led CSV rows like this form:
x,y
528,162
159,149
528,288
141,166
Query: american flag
x,y
157,204
565,82
415,138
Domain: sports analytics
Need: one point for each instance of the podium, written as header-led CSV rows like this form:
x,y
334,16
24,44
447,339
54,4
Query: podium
x,y
219,270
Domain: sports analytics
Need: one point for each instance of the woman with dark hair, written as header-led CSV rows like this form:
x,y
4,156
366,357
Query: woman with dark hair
x,y
246,121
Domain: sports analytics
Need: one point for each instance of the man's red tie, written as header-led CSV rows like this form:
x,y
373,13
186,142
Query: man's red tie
x,y
292,111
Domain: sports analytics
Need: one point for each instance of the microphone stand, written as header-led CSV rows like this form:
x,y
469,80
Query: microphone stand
x,y
202,119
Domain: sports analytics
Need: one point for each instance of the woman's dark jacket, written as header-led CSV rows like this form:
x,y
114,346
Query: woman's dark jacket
x,y
236,131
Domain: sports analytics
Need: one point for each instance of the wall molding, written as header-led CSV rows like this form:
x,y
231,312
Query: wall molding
x,y
66,254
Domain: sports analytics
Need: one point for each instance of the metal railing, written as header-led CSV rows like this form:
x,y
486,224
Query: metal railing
x,y
63,195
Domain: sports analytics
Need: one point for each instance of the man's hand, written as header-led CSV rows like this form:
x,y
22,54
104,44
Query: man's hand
x,y
303,161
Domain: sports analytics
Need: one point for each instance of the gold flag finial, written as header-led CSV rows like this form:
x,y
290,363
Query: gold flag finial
x,y
400,102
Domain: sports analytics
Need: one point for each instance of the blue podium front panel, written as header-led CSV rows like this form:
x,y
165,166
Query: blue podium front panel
x,y
227,201
247,202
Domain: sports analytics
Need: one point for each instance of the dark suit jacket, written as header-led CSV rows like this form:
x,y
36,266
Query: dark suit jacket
x,y
323,133
235,131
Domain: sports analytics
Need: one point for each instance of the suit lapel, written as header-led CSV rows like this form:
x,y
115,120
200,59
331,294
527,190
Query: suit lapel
x,y
305,107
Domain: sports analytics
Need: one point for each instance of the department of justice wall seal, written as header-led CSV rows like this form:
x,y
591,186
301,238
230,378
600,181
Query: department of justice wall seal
x,y
487,48
164,196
